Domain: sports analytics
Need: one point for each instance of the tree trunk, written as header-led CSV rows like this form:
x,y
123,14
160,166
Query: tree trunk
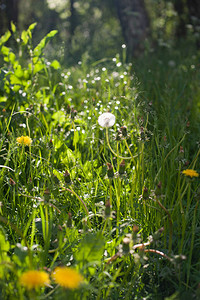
x,y
194,8
73,20
194,18
182,12
11,12
134,22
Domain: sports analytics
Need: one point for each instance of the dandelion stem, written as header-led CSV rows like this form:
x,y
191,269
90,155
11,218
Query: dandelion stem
x,y
170,224
192,242
113,152
167,157
80,200
159,253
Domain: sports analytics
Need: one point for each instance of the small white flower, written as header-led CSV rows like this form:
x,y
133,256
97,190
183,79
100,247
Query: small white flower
x,y
106,120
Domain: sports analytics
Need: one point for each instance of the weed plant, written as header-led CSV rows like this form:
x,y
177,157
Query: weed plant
x,y
117,206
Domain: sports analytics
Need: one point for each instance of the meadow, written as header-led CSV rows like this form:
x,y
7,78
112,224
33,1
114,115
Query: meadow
x,y
99,172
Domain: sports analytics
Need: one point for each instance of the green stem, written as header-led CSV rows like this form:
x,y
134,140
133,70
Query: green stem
x,y
170,224
115,277
81,202
113,152
110,183
184,215
167,157
74,142
192,242
105,225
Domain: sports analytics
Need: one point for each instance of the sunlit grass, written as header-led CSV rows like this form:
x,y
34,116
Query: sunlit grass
x,y
108,201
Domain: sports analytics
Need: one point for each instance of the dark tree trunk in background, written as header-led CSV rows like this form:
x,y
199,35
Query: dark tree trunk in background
x,y
134,22
72,18
194,17
181,9
11,12
8,13
194,8
2,16
189,13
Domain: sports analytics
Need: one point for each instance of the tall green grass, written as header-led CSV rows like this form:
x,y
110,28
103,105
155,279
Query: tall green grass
x,y
129,226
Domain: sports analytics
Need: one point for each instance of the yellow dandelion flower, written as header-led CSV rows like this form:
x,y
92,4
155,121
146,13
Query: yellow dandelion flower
x,y
67,277
33,279
191,173
24,140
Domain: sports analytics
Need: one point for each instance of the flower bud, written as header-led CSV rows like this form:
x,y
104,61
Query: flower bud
x,y
135,232
135,228
69,220
46,194
145,194
107,208
12,182
110,172
141,250
142,133
124,131
181,150
157,234
67,177
50,144
55,179
41,107
73,113
119,136
122,167
68,109
126,245
158,189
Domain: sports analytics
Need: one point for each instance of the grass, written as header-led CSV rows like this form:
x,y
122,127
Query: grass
x,y
111,203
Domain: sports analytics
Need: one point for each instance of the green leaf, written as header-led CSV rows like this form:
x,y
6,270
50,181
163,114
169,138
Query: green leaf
x,y
5,50
12,57
3,99
76,138
55,64
5,37
14,79
91,250
30,29
38,67
16,88
19,72
58,174
59,117
13,27
21,252
24,37
67,155
39,48
32,26
4,248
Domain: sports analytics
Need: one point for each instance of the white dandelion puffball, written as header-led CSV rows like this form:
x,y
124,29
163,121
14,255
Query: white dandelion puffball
x,y
106,120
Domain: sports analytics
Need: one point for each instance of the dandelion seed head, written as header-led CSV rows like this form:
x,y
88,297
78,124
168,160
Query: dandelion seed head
x,y
106,120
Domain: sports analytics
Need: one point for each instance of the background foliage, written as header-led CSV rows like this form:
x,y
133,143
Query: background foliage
x,y
97,29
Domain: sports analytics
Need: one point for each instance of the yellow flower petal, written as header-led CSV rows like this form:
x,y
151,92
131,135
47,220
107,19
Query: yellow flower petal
x,y
191,173
33,279
24,140
67,277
